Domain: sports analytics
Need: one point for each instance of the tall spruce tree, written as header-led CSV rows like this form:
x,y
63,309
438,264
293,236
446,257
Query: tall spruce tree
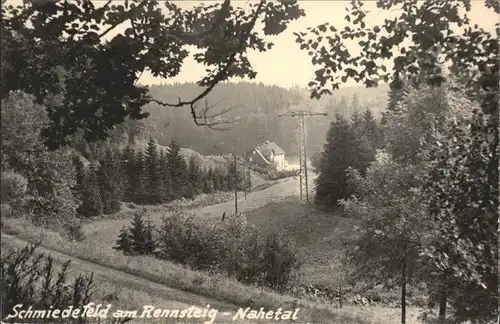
x,y
216,179
397,91
110,182
177,171
357,122
208,182
163,173
138,233
195,175
128,156
372,129
152,170
139,178
150,243
231,177
91,195
343,149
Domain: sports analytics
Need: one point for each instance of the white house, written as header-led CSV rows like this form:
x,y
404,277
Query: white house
x,y
268,153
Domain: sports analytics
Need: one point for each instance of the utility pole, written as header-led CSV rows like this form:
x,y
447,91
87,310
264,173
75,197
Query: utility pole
x,y
235,180
304,190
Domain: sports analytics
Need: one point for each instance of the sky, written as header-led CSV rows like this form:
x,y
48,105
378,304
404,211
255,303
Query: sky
x,y
286,65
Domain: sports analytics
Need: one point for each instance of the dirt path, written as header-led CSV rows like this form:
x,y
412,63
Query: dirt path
x,y
267,193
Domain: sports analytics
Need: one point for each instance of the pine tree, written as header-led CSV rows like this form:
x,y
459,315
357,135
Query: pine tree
x,y
138,234
163,174
189,191
343,149
372,129
215,176
195,176
231,177
128,156
177,171
208,183
397,90
91,195
110,182
357,122
139,178
124,241
153,185
149,244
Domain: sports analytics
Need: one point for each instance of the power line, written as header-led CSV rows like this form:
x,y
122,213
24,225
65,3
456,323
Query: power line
x,y
304,190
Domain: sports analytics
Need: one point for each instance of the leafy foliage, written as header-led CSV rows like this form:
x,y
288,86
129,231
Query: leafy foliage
x,y
419,113
462,159
392,214
463,190
428,24
64,55
49,174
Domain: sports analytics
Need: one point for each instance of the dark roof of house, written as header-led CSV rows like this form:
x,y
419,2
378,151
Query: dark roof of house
x,y
268,147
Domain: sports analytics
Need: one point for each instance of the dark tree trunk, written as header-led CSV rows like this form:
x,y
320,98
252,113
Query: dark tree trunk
x,y
442,304
403,294
340,296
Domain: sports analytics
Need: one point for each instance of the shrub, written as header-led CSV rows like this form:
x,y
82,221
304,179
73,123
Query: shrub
x,y
30,280
276,175
273,174
280,260
14,186
233,248
124,242
73,229
49,174
185,240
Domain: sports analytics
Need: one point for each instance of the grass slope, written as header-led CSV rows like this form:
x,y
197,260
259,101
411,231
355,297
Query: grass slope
x,y
176,276
316,233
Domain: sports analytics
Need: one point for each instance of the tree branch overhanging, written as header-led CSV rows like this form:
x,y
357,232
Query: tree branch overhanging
x,y
219,77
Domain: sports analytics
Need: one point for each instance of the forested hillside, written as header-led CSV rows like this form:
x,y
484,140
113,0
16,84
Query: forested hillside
x,y
254,110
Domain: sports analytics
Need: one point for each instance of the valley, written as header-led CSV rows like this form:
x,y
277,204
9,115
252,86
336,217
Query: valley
x,y
270,205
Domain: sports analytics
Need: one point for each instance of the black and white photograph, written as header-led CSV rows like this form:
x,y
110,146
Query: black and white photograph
x,y
250,161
